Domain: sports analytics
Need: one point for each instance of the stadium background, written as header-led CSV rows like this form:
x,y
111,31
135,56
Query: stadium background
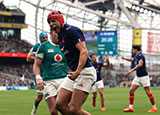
x,y
110,26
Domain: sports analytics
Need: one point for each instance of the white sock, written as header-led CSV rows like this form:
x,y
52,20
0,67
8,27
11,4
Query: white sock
x,y
154,106
131,106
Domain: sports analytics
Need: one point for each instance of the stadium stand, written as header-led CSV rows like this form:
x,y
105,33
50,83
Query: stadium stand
x,y
12,44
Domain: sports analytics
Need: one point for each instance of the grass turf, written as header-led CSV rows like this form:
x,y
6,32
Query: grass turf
x,y
116,99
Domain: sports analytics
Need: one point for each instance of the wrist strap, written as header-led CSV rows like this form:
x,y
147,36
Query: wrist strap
x,y
38,77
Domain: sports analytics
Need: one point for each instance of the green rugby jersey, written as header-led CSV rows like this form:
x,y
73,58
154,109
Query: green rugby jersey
x,y
33,51
53,60
34,48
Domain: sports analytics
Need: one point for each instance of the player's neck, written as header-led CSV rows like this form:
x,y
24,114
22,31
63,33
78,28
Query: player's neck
x,y
93,62
138,53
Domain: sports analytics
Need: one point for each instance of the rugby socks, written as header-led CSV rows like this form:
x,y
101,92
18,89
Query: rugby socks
x,y
151,97
131,99
102,105
36,104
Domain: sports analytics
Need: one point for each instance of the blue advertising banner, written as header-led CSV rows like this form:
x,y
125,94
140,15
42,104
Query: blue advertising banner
x,y
107,43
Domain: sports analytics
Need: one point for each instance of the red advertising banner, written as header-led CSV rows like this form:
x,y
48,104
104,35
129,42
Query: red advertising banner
x,y
18,55
153,43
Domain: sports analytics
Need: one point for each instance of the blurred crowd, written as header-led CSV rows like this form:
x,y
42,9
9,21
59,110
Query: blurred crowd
x,y
23,70
155,80
108,80
6,80
14,45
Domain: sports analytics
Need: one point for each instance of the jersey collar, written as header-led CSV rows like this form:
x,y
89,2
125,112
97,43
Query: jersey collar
x,y
53,44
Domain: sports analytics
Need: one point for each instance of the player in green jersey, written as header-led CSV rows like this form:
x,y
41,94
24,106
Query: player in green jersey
x,y
30,58
54,71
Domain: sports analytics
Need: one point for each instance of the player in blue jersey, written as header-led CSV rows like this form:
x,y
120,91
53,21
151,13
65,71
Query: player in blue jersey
x,y
82,75
141,78
30,58
99,83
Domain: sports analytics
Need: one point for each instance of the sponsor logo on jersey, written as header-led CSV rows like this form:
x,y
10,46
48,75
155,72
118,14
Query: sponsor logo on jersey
x,y
81,85
50,50
58,57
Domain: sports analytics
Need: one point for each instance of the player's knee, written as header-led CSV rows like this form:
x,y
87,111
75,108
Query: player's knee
x,y
131,91
101,94
54,112
74,110
59,106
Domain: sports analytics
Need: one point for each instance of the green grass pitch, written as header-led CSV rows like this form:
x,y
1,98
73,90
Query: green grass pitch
x,y
116,99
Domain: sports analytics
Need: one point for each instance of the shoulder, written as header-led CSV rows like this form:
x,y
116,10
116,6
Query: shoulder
x,y
100,63
45,43
36,45
73,29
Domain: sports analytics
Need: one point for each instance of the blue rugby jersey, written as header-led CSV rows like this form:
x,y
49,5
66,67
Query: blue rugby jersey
x,y
68,38
98,66
141,72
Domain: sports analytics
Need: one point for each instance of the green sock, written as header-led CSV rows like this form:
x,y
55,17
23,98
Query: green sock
x,y
36,104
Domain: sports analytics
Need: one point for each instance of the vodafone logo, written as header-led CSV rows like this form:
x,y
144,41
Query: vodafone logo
x,y
58,57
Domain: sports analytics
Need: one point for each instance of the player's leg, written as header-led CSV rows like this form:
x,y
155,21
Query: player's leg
x,y
151,97
100,86
64,96
102,99
82,87
78,98
51,105
131,98
38,99
62,101
94,92
145,81
94,98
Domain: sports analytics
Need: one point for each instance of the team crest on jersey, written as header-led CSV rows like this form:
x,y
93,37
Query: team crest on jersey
x,y
58,57
63,40
80,40
68,27
50,50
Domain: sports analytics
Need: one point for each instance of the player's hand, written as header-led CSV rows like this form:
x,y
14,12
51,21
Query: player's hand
x,y
40,84
106,57
129,72
73,75
122,56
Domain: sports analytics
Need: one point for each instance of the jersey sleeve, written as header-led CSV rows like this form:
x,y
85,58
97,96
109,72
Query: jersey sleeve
x,y
33,49
77,36
139,58
40,52
100,64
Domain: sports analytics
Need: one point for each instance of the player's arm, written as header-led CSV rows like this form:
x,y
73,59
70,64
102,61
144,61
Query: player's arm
x,y
81,46
107,61
36,70
128,59
140,64
30,57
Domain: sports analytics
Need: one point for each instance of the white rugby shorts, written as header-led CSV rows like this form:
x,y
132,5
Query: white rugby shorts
x,y
97,85
141,81
51,88
84,81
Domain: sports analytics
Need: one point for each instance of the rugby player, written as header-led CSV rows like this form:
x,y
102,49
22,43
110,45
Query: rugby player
x,y
82,75
30,58
141,78
99,83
